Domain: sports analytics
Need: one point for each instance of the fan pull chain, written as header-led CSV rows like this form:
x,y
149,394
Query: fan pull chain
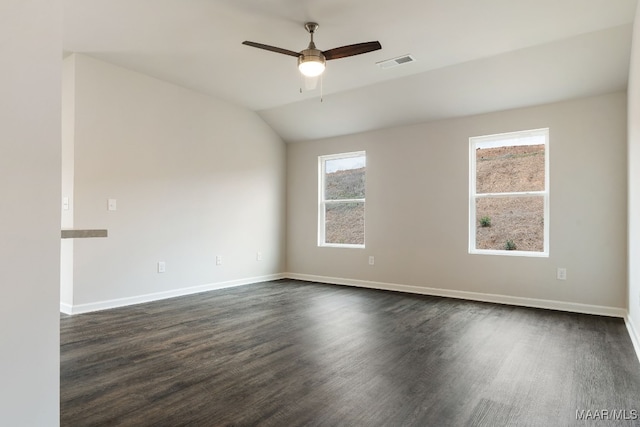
x,y
321,79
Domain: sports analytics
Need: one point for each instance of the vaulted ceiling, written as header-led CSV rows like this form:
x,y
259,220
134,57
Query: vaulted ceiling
x,y
471,56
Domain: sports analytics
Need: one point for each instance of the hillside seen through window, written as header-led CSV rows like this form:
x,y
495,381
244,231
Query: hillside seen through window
x,y
509,194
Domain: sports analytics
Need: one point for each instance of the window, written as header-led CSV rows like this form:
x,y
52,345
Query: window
x,y
509,193
341,195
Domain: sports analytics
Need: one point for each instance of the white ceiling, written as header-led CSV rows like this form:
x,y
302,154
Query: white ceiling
x,y
472,56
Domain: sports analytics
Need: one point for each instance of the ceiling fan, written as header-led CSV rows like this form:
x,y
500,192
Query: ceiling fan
x,y
311,61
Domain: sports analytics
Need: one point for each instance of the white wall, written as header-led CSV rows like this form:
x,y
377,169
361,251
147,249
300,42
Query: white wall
x,y
194,177
634,180
68,122
30,47
417,207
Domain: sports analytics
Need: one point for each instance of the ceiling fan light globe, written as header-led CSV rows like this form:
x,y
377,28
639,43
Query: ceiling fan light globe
x,y
311,68
311,62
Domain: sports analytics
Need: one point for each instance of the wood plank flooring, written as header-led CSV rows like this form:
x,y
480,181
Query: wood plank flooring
x,y
291,353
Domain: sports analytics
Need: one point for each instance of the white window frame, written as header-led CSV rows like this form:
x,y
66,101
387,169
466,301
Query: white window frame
x,y
473,196
322,202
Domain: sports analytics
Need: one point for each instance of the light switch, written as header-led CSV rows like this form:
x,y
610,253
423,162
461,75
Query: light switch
x,y
111,204
561,274
65,203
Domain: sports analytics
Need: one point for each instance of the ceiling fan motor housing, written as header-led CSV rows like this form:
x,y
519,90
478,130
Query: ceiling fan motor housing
x,y
311,62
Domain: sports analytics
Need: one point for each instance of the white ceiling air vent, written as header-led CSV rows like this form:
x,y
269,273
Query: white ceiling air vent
x,y
394,62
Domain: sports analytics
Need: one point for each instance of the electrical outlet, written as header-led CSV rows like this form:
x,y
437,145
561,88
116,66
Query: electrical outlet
x,y
372,260
112,204
218,259
161,267
561,274
258,256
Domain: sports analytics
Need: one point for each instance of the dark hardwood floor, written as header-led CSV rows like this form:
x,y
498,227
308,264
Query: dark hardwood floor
x,y
291,353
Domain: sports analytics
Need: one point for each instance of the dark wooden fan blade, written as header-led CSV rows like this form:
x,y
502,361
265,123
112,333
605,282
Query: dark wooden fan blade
x,y
351,50
271,48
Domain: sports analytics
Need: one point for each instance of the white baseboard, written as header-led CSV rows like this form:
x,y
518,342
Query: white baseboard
x,y
474,296
66,308
139,299
633,333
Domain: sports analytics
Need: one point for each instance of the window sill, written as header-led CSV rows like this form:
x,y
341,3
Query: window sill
x,y
340,245
526,254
